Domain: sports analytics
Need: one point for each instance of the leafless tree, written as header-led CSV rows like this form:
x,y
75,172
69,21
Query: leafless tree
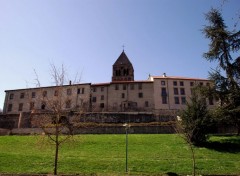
x,y
56,117
186,135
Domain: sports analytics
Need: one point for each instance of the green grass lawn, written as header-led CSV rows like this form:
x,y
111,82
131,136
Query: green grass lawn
x,y
105,154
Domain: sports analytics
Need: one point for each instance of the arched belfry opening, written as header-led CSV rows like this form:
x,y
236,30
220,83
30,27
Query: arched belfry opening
x,y
123,69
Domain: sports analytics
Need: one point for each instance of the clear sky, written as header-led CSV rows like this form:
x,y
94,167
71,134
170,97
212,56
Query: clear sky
x,y
87,37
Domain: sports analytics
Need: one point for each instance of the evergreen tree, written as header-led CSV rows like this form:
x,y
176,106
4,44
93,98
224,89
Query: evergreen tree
x,y
195,119
224,44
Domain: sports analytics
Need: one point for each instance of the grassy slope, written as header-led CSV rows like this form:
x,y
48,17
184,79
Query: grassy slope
x,y
106,154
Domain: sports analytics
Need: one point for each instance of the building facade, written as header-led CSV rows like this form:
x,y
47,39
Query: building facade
x,y
69,97
122,94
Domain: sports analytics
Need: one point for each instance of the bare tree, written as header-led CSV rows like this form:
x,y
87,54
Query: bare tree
x,y
56,115
186,135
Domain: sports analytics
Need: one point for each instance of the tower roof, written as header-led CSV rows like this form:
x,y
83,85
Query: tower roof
x,y
122,59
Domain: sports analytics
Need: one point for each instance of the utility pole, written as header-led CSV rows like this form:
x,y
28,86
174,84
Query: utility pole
x,y
127,126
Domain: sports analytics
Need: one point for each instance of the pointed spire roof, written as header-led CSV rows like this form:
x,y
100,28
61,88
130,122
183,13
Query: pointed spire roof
x,y
122,59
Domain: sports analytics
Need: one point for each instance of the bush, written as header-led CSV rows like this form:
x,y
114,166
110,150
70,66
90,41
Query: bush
x,y
196,120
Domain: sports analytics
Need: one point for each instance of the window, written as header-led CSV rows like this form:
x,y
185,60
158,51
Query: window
x,y
11,96
22,95
117,72
31,106
94,89
182,91
175,83
183,100
125,72
116,87
201,83
33,94
20,107
124,86
132,86
163,83
146,104
140,95
94,99
101,105
176,99
140,86
123,95
44,93
164,100
56,93
164,91
69,91
79,91
68,104
181,83
43,106
9,107
175,90
102,89
191,84
102,97
208,84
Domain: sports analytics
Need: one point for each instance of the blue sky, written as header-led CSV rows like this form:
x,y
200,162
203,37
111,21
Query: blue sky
x,y
87,37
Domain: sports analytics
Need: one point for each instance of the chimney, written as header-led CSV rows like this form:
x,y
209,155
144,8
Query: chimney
x,y
164,75
70,82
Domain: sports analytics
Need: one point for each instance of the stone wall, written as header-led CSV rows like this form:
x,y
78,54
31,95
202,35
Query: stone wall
x,y
4,131
168,129
102,130
7,122
103,123
10,121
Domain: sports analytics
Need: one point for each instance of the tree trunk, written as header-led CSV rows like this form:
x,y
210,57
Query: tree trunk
x,y
56,151
193,160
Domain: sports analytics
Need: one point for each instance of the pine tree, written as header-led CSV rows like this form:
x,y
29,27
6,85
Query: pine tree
x,y
195,119
224,44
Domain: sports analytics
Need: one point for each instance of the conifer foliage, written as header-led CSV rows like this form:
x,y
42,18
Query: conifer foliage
x,y
195,119
224,48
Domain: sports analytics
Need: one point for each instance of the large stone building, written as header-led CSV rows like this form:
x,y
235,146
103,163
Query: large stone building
x,y
122,94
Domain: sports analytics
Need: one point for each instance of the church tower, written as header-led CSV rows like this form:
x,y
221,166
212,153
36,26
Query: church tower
x,y
123,69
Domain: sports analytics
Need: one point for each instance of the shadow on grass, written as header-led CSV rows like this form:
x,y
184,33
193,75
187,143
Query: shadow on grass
x,y
170,174
230,145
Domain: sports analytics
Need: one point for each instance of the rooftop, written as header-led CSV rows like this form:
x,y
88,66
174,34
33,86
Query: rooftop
x,y
122,59
164,76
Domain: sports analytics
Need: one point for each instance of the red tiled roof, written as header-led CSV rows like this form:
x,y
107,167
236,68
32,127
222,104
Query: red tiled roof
x,y
100,84
45,87
178,77
121,82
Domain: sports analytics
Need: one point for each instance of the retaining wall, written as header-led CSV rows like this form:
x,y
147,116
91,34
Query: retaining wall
x,y
102,130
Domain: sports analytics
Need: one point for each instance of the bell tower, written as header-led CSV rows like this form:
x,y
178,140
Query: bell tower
x,y
123,69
